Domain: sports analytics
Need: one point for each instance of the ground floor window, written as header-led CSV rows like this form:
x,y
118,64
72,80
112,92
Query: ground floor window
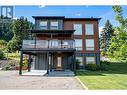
x,y
80,60
90,60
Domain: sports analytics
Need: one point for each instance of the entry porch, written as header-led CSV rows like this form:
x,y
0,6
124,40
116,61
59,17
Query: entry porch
x,y
51,60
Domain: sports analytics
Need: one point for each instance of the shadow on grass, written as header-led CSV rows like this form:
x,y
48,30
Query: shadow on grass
x,y
113,68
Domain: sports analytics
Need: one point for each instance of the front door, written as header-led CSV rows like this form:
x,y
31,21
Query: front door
x,y
59,63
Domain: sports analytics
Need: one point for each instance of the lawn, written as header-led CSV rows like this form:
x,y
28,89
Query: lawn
x,y
114,78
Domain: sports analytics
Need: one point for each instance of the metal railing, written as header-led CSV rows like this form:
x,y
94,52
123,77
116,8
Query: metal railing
x,y
40,44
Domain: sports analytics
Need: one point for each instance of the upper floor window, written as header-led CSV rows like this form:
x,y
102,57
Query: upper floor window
x,y
78,44
89,44
54,24
78,29
89,29
43,24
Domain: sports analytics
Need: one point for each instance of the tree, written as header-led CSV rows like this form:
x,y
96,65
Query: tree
x,y
3,44
21,27
106,36
118,44
6,30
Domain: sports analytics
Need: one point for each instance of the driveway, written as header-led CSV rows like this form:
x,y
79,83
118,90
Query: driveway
x,y
11,80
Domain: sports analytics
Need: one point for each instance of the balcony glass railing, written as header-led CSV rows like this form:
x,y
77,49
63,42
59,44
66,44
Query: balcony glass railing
x,y
48,44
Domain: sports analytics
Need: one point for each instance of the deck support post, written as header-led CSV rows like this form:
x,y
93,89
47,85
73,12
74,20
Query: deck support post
x,y
74,63
29,63
51,62
21,63
48,63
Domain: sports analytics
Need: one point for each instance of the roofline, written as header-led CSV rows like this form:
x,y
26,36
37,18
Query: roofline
x,y
83,18
63,17
58,17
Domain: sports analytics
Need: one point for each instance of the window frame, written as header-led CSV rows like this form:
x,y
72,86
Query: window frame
x,y
46,26
81,64
93,62
87,32
81,47
54,26
89,46
77,33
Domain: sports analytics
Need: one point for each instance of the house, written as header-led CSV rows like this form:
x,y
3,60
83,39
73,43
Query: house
x,y
58,42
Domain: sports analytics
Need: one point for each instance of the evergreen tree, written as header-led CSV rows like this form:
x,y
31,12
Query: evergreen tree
x,y
21,27
6,30
106,36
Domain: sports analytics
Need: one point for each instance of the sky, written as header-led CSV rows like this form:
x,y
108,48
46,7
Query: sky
x,y
104,12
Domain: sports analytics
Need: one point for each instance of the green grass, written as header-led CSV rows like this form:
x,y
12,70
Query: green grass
x,y
114,78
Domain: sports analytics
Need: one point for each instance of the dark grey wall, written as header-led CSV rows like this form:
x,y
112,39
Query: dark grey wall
x,y
41,62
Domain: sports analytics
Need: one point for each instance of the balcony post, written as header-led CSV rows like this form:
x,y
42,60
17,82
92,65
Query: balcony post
x,y
74,63
21,62
29,63
48,63
61,43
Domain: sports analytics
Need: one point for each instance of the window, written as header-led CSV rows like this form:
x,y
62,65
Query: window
x,y
89,44
43,24
78,44
54,24
78,29
90,60
89,29
80,59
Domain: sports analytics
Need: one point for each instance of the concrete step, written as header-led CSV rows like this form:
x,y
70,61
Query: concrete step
x,y
61,73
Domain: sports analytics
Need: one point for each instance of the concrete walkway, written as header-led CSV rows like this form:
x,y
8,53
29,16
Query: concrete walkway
x,y
11,80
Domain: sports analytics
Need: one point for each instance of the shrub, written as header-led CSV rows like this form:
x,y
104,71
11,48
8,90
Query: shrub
x,y
105,62
77,64
1,54
92,67
25,62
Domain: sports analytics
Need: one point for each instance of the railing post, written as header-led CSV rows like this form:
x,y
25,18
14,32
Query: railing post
x,y
61,43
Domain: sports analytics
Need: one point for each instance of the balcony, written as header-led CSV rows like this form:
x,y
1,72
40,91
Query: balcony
x,y
48,44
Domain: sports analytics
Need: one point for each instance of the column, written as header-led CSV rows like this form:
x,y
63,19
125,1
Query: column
x,y
74,64
29,63
48,63
21,63
51,62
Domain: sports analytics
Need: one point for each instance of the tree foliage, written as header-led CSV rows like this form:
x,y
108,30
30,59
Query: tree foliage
x,y
21,27
6,31
106,36
118,44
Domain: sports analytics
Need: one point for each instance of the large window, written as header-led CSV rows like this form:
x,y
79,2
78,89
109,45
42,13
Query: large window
x,y
89,29
89,44
80,60
78,29
90,60
54,25
43,24
78,44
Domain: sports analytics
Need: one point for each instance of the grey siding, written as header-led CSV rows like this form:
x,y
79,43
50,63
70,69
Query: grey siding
x,y
41,62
